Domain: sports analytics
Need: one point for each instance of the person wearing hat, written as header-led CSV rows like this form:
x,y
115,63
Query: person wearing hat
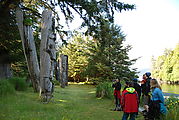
x,y
129,102
145,85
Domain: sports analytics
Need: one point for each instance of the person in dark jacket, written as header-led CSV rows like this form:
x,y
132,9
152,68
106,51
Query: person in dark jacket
x,y
145,85
129,102
137,87
117,94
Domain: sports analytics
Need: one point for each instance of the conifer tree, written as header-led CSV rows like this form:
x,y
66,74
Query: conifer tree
x,y
109,58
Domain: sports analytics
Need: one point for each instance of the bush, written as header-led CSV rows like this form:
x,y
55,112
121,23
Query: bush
x,y
173,114
99,80
172,104
56,83
6,88
19,83
104,90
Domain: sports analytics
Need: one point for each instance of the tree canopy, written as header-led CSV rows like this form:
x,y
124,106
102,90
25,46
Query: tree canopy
x,y
102,58
91,11
77,50
166,66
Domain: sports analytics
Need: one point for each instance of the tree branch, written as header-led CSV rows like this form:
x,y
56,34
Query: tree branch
x,y
33,12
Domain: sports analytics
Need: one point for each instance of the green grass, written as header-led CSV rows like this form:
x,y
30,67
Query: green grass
x,y
75,102
104,90
6,88
18,83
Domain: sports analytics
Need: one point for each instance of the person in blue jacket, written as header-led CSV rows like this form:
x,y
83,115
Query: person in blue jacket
x,y
157,106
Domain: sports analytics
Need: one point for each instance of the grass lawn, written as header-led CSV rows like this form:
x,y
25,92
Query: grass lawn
x,y
75,102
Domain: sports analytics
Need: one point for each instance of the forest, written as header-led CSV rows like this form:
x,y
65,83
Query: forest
x,y
166,67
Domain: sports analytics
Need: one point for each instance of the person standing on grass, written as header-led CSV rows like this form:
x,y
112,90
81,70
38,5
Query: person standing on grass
x,y
129,102
137,87
117,94
145,85
156,107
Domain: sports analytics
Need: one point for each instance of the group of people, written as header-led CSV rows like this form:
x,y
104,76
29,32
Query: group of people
x,y
128,101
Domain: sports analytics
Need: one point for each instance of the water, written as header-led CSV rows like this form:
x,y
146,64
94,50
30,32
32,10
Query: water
x,y
170,88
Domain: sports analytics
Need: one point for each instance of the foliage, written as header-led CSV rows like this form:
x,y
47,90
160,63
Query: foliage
x,y
19,69
77,58
91,11
101,58
104,89
172,114
6,88
108,58
10,44
172,104
56,83
18,83
165,67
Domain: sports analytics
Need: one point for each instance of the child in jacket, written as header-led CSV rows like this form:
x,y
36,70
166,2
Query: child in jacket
x,y
129,102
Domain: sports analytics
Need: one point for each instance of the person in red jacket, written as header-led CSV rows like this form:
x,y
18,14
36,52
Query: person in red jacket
x,y
129,102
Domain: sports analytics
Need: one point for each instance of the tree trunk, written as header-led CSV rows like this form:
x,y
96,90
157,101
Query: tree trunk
x,y
29,48
47,55
5,65
5,70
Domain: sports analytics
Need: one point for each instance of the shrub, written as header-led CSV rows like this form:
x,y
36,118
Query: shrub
x,y
6,88
173,114
172,104
104,90
19,83
56,82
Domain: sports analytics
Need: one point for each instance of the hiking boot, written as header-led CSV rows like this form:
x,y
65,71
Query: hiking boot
x,y
144,112
114,109
119,109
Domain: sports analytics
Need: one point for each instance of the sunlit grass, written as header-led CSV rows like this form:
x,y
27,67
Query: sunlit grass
x,y
75,102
